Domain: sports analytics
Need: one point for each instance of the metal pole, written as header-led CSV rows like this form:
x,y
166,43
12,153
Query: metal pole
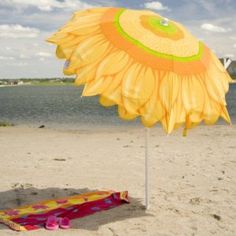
x,y
146,169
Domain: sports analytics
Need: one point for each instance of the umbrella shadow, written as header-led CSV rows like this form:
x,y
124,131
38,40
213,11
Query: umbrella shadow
x,y
20,196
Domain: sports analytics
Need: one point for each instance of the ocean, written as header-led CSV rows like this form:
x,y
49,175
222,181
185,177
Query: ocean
x,y
62,107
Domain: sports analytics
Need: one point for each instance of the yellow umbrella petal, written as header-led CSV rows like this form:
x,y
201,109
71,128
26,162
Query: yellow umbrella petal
x,y
124,114
112,64
169,89
88,52
85,74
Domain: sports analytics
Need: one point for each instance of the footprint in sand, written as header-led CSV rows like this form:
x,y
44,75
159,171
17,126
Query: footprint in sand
x,y
59,159
113,231
195,201
217,217
126,146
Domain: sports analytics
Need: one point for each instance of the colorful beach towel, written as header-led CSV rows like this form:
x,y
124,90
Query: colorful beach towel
x,y
34,216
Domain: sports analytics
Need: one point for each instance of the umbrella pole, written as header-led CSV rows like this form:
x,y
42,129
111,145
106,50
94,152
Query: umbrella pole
x,y
146,169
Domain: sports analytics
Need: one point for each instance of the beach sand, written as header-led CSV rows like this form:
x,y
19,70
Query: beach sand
x,y
192,179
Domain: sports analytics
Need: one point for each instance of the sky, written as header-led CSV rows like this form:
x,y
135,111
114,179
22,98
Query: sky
x,y
25,25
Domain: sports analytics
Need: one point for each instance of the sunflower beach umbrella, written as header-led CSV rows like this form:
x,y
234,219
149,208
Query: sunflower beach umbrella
x,y
147,65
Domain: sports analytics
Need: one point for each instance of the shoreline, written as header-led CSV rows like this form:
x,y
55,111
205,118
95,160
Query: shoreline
x,y
91,128
58,84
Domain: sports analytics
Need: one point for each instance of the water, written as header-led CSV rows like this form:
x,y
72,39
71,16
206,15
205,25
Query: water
x,y
62,106
54,106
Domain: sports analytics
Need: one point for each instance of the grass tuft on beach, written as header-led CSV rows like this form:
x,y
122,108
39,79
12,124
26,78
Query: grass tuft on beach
x,y
5,124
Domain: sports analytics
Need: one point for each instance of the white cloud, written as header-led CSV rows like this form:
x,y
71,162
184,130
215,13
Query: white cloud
x,y
17,31
234,45
156,6
44,54
48,5
20,64
23,56
214,28
6,58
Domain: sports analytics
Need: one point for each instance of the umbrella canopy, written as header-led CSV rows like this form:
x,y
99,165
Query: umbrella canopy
x,y
148,65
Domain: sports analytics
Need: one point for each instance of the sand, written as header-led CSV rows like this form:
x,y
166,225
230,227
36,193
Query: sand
x,y
192,179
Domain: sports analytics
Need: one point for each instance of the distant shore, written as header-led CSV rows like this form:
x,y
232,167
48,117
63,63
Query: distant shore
x,y
38,84
48,83
13,85
35,82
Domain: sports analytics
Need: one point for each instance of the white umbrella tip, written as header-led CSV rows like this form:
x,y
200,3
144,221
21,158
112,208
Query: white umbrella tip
x,y
165,21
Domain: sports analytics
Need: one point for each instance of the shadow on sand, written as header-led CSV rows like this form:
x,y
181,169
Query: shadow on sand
x,y
19,197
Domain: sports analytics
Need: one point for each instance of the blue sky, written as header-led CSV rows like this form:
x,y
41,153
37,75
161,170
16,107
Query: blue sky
x,y
25,24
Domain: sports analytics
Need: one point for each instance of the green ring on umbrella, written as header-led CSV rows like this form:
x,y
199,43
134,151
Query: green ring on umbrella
x,y
139,44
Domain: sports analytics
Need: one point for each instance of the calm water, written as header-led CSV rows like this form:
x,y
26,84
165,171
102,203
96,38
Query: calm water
x,y
62,106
